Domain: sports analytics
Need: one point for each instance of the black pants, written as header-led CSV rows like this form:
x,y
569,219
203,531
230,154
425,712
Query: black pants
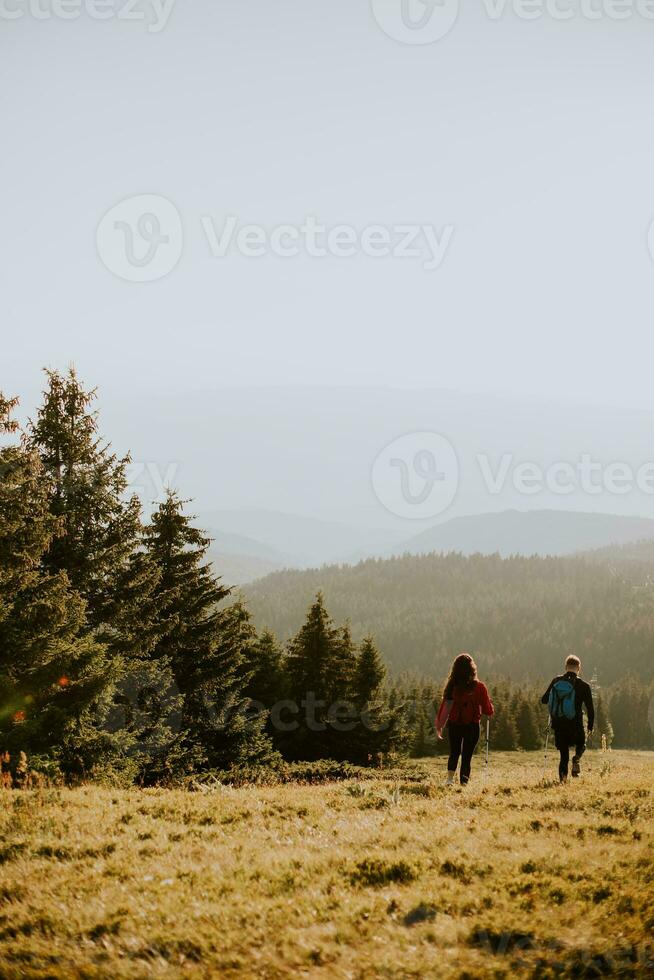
x,y
463,742
566,735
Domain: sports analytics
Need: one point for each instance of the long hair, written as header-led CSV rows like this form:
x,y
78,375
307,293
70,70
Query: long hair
x,y
463,675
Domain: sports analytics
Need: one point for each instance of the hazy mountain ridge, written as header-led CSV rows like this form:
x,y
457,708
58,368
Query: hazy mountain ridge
x,y
240,569
536,532
293,540
275,541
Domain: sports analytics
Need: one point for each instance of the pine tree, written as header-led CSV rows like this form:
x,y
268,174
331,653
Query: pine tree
x,y
422,743
370,673
100,548
100,541
419,716
403,705
321,664
603,724
52,676
504,733
311,653
309,661
267,684
204,643
379,728
627,714
529,734
342,666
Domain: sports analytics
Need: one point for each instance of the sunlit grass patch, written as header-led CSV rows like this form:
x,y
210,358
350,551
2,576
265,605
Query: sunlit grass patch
x,y
306,879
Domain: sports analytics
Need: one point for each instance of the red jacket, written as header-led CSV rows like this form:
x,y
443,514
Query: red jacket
x,y
466,707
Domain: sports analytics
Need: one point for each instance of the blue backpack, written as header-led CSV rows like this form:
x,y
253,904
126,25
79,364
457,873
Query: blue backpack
x,y
562,701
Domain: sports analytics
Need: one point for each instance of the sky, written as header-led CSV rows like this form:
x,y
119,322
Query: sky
x,y
216,196
524,144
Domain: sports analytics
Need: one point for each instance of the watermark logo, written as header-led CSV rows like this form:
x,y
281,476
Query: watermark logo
x,y
155,13
417,475
316,240
141,239
416,21
426,21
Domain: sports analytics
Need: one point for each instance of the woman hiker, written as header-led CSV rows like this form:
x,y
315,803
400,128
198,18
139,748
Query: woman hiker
x,y
465,699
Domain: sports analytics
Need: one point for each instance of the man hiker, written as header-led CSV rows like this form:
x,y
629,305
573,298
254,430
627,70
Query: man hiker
x,y
566,696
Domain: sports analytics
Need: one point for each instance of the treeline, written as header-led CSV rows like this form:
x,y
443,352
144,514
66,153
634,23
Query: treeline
x,y
122,653
624,715
519,615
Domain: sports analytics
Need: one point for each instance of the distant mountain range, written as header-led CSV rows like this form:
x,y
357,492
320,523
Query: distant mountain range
x,y
538,532
290,541
249,544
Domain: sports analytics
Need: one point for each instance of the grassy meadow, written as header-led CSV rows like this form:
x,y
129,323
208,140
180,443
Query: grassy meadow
x,y
389,876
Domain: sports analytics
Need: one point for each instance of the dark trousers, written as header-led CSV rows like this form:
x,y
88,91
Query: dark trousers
x,y
463,742
566,735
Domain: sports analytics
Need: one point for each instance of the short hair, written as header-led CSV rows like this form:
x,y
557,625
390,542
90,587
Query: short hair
x,y
573,661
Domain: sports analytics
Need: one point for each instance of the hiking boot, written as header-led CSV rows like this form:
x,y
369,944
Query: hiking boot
x,y
576,768
450,778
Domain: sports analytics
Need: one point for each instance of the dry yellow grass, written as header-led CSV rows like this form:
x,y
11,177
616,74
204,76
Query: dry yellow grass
x,y
514,876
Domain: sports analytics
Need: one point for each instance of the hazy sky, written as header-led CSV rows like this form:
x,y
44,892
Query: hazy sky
x,y
531,139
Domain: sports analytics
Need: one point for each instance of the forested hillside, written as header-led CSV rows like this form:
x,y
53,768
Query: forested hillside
x,y
518,615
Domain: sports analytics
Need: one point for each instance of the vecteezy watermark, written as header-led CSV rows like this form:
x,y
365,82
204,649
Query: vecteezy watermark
x,y
316,240
141,239
149,693
416,21
417,476
587,475
426,21
155,13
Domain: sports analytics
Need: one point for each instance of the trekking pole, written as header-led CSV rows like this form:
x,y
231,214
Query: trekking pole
x,y
487,740
547,737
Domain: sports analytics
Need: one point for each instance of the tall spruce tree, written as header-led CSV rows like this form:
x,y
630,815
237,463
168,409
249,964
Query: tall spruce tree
x,y
100,548
204,643
53,675
343,711
100,541
311,653
370,673
312,663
